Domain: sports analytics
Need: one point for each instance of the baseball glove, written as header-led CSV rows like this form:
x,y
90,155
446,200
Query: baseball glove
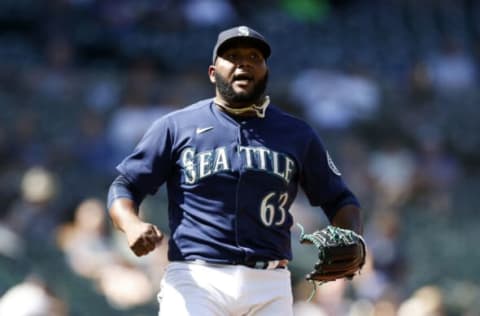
x,y
341,253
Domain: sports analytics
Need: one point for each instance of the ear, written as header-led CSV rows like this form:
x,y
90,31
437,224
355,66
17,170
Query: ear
x,y
211,73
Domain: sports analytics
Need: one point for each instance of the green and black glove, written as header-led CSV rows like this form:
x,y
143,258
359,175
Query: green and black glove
x,y
341,253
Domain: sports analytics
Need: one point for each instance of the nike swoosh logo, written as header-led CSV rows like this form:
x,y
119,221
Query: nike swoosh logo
x,y
203,130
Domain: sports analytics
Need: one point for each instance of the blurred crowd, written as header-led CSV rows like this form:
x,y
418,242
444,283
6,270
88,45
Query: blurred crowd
x,y
391,86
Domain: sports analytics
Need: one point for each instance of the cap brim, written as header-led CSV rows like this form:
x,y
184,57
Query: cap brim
x,y
249,41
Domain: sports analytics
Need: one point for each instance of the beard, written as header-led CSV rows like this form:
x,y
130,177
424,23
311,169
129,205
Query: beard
x,y
226,90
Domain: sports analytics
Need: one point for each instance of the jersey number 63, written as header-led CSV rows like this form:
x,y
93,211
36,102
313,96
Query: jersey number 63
x,y
273,204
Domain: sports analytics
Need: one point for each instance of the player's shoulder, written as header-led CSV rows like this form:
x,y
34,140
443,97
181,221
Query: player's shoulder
x,y
288,119
191,109
185,113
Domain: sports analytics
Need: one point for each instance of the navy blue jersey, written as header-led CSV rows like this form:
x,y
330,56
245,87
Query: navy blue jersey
x,y
231,182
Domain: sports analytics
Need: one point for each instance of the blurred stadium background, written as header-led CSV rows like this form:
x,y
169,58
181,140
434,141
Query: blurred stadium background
x,y
391,85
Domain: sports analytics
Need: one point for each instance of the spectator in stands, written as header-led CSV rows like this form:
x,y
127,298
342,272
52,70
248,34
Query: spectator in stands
x,y
333,100
437,173
28,148
32,297
92,254
85,241
56,79
452,69
214,12
129,122
92,147
386,266
392,169
426,301
35,215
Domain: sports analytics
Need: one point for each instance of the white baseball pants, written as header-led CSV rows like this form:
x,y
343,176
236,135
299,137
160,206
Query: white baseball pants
x,y
193,289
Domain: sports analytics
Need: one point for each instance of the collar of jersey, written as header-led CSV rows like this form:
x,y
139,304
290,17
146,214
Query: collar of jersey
x,y
259,110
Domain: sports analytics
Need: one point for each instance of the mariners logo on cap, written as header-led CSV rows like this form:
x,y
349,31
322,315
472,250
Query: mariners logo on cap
x,y
243,30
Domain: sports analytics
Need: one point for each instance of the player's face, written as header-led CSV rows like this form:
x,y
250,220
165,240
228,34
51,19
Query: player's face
x,y
240,74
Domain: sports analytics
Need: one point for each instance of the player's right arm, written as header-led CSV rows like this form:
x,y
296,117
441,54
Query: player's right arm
x,y
142,237
141,173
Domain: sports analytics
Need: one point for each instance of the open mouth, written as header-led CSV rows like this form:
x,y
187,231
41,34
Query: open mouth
x,y
243,77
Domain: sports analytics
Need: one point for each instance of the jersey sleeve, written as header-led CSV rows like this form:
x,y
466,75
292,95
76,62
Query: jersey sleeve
x,y
149,165
321,180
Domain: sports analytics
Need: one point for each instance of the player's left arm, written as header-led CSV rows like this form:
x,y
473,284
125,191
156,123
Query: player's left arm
x,y
322,183
341,249
349,217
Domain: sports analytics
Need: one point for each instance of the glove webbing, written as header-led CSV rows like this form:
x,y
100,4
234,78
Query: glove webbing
x,y
320,241
317,243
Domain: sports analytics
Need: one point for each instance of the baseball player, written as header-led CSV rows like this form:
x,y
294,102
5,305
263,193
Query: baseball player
x,y
232,165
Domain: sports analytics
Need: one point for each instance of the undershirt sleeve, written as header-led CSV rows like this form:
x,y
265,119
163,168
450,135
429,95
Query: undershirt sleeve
x,y
122,188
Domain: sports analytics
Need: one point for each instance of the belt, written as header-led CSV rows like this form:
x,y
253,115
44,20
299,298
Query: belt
x,y
267,265
262,265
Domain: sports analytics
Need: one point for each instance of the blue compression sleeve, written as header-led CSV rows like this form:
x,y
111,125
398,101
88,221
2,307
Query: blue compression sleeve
x,y
122,188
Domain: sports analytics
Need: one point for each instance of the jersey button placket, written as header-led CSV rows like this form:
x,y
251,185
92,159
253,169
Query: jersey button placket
x,y
238,210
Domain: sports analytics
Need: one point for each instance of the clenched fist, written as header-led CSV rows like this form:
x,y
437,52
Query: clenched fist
x,y
143,238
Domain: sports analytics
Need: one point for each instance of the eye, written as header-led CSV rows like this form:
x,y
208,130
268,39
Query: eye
x,y
255,57
231,56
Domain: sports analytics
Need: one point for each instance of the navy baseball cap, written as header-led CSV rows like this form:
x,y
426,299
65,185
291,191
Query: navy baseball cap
x,y
241,33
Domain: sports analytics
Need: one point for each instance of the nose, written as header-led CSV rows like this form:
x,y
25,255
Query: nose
x,y
244,61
